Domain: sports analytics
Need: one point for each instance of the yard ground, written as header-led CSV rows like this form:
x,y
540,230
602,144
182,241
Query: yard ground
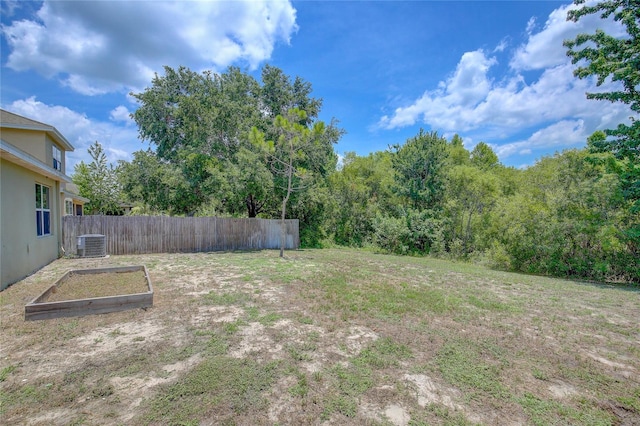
x,y
326,337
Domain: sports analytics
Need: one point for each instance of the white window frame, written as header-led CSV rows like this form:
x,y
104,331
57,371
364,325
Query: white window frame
x,y
57,158
43,210
68,207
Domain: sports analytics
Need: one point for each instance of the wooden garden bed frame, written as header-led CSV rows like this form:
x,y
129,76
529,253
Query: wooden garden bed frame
x,y
39,308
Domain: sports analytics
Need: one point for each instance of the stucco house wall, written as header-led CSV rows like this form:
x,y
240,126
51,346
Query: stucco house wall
x,y
35,143
23,251
27,163
30,141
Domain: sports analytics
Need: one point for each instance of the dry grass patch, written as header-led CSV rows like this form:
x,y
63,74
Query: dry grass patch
x,y
326,337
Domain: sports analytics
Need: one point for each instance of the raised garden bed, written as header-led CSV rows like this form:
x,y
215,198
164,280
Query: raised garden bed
x,y
93,291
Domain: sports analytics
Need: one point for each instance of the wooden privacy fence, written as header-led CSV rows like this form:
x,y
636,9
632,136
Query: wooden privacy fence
x,y
166,234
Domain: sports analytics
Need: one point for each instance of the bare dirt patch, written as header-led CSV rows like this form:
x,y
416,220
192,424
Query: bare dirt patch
x,y
85,286
429,392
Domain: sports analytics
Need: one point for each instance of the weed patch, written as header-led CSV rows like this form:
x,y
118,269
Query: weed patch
x,y
301,388
488,304
347,384
463,363
226,299
269,319
4,373
225,385
631,402
543,412
383,353
385,300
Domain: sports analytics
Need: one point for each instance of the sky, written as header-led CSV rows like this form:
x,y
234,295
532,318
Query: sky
x,y
490,71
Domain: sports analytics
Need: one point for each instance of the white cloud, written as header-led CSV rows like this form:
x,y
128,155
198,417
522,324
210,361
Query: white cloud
x,y
553,106
117,141
469,84
90,87
560,135
545,49
445,107
121,113
501,46
118,154
531,25
106,46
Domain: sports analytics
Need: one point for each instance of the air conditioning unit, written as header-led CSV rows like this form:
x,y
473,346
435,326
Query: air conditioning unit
x,y
91,245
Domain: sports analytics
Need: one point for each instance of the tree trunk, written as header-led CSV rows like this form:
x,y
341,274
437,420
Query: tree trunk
x,y
252,209
283,228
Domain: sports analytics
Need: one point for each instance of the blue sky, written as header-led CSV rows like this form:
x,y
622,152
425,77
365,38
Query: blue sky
x,y
491,71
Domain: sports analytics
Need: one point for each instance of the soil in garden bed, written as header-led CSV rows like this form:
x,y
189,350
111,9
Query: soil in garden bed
x,y
85,286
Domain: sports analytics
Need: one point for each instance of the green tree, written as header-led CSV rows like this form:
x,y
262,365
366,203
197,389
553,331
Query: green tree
x,y
472,192
279,95
204,113
458,155
250,183
156,184
566,219
201,123
295,156
419,167
98,182
483,157
361,190
618,58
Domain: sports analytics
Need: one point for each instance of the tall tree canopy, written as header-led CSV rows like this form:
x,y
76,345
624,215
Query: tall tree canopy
x,y
204,113
419,169
155,183
483,157
200,122
361,190
616,58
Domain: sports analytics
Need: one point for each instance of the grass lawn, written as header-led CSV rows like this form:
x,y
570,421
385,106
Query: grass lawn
x,y
331,337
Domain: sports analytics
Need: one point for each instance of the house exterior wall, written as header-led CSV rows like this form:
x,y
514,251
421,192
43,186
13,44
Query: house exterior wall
x,y
22,251
32,142
35,143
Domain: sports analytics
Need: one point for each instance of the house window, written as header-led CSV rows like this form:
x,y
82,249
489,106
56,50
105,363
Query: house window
x,y
43,210
68,207
57,158
78,209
